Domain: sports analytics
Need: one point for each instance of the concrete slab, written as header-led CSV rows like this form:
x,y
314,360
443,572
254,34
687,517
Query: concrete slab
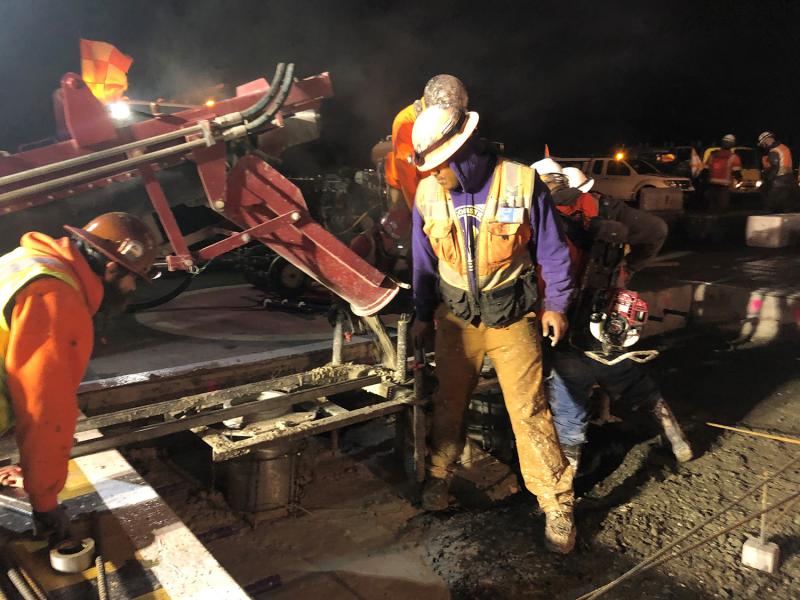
x,y
149,552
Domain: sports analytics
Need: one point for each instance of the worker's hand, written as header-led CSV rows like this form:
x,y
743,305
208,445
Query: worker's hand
x,y
422,332
54,522
554,325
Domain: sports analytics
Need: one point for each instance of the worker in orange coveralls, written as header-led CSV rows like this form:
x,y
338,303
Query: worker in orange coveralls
x,y
401,172
49,291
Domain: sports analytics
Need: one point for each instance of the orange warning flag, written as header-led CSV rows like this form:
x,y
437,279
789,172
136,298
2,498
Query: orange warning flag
x,y
104,69
546,151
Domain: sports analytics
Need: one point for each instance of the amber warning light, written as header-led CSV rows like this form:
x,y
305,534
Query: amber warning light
x,y
210,103
619,156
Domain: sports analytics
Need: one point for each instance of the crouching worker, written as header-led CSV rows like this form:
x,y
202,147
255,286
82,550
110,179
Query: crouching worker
x,y
597,229
481,222
49,291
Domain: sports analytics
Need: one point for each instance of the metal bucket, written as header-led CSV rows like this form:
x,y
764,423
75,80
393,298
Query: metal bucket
x,y
263,480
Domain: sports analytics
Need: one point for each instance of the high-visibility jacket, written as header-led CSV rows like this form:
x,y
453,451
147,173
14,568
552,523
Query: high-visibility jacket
x,y
18,269
504,270
50,294
400,170
721,165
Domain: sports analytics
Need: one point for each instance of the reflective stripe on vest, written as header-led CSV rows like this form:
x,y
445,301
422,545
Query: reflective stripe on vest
x,y
17,269
784,159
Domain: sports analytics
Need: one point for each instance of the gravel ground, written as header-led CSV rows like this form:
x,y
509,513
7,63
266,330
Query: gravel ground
x,y
639,499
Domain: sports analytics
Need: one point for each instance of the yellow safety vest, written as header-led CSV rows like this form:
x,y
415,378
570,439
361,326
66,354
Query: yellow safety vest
x,y
17,269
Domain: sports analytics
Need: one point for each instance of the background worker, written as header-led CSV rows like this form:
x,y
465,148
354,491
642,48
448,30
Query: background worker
x,y
479,219
779,187
49,291
723,165
573,373
644,232
402,175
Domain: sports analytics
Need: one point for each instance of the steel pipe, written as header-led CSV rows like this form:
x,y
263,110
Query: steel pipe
x,y
101,171
99,155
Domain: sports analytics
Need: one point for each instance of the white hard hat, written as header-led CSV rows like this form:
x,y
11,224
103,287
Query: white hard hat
x,y
547,166
764,136
578,179
729,139
438,133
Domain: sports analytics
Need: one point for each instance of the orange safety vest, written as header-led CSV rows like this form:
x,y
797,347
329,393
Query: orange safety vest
x,y
784,159
17,269
721,165
502,248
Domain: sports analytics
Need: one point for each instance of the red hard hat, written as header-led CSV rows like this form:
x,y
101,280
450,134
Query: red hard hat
x,y
122,238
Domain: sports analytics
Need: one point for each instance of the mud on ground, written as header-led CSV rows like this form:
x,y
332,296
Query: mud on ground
x,y
357,532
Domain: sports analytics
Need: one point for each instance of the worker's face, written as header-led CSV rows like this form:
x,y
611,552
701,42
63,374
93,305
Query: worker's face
x,y
119,284
446,177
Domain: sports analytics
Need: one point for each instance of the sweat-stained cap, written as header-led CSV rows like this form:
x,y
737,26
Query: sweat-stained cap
x,y
445,90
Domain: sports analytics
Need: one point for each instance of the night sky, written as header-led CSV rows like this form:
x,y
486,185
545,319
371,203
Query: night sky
x,y
580,76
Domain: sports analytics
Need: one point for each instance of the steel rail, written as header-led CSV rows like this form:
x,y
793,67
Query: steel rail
x,y
149,432
202,400
226,450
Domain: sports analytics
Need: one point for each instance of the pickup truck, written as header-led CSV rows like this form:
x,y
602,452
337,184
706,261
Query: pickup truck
x,y
631,180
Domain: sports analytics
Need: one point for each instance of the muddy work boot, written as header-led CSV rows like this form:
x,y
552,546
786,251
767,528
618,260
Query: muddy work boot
x,y
436,494
572,452
560,531
672,431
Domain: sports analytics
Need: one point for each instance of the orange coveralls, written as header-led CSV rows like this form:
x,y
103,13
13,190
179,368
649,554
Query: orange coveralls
x,y
50,342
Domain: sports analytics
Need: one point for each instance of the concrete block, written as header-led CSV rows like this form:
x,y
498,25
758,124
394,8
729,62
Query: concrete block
x,y
762,556
773,231
713,228
653,199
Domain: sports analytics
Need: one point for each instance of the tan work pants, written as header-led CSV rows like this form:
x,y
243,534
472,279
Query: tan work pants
x,y
516,356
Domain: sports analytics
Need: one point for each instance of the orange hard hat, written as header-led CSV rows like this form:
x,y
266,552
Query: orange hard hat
x,y
122,238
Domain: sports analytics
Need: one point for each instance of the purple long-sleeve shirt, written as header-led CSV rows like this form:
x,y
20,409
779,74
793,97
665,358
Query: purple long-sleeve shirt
x,y
474,170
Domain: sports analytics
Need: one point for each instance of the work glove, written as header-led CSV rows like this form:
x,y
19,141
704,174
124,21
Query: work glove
x,y
605,230
54,522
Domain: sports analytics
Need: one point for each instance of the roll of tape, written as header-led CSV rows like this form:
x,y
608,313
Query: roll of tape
x,y
72,556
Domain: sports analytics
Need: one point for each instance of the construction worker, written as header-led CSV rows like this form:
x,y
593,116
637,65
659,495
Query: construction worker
x,y
644,232
723,165
573,373
50,289
402,175
779,188
481,223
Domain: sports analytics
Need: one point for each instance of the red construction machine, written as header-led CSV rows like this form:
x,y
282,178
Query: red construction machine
x,y
98,167
215,139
